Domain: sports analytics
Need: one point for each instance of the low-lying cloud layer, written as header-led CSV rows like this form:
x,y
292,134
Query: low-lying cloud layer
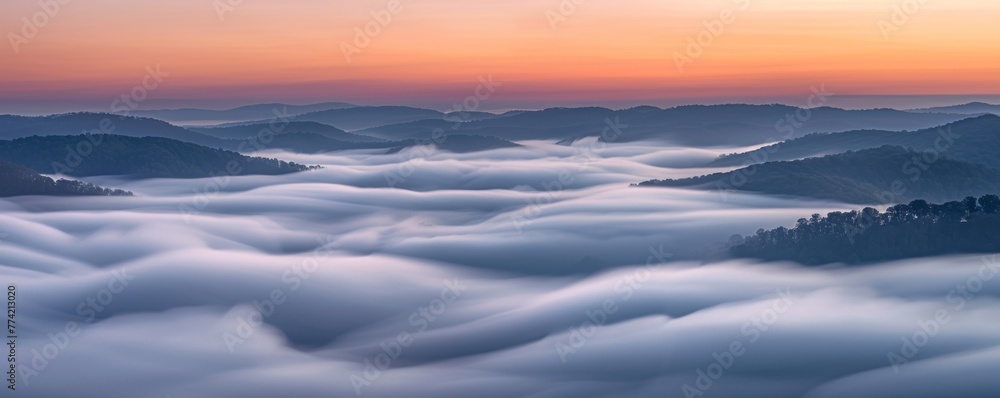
x,y
532,272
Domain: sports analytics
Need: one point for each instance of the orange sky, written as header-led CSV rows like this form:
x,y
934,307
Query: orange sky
x,y
433,51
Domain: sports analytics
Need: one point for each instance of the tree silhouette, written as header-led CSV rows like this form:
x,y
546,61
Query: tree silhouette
x,y
902,231
990,204
17,180
971,204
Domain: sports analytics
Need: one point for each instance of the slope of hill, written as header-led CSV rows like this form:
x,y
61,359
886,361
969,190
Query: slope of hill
x,y
17,180
249,112
12,127
972,108
316,143
417,129
687,125
254,130
552,123
147,157
975,140
753,124
880,175
694,125
362,117
466,116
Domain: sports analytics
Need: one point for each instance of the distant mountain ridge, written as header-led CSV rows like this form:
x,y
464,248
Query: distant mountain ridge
x,y
248,112
362,117
12,126
887,174
972,108
975,139
691,125
296,136
252,130
139,157
694,125
315,143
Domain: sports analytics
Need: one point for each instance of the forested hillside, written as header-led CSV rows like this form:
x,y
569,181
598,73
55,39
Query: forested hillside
x,y
917,229
873,176
146,157
17,180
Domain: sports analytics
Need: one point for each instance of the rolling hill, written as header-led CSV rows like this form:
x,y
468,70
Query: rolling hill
x,y
12,127
315,143
146,157
469,116
882,175
253,130
972,108
975,140
362,117
687,125
243,113
695,125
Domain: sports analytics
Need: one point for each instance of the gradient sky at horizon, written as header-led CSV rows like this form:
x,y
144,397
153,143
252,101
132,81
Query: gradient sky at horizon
x,y
433,52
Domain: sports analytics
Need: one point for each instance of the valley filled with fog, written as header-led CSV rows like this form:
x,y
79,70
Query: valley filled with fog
x,y
500,199
537,270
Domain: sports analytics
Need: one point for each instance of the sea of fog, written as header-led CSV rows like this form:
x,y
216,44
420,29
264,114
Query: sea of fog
x,y
525,272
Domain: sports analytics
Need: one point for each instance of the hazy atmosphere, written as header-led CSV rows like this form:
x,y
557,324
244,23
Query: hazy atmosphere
x,y
566,198
226,53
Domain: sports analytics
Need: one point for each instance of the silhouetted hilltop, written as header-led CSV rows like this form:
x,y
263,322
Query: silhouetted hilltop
x,y
972,108
465,116
975,140
694,125
362,117
316,143
259,130
739,124
12,127
249,112
17,180
417,129
880,175
90,155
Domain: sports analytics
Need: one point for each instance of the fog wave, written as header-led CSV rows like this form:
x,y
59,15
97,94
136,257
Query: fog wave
x,y
534,271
